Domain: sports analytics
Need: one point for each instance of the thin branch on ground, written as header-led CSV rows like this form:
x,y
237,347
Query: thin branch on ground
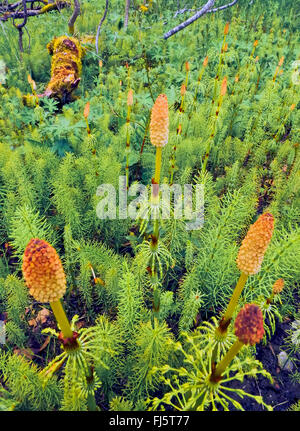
x,y
223,7
5,7
189,21
207,8
6,14
184,10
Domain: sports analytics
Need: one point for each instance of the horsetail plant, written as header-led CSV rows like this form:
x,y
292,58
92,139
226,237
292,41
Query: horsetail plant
x,y
270,310
159,131
86,113
249,261
284,122
46,280
277,288
129,107
44,276
217,77
179,126
214,124
280,63
159,134
32,84
31,99
202,70
199,385
249,329
255,44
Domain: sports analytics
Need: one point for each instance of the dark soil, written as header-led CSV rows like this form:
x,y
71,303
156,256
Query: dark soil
x,y
283,392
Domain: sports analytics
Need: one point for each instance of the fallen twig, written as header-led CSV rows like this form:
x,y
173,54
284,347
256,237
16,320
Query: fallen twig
x,y
21,14
216,9
189,21
207,8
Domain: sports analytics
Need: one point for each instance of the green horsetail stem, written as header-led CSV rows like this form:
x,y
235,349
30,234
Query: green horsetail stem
x,y
212,135
127,145
86,113
199,80
225,321
217,77
284,122
216,375
61,318
202,70
249,330
87,127
280,63
221,330
179,127
157,164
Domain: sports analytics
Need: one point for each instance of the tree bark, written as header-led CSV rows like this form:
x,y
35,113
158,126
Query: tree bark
x,y
75,14
189,21
100,24
21,14
225,6
216,9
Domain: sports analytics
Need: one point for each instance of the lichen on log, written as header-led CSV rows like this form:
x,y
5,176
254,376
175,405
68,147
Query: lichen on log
x,y
67,53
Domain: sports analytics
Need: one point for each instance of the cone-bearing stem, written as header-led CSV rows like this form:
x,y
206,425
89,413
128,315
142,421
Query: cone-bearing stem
x,y
233,302
157,164
155,304
155,193
127,146
62,319
270,299
87,126
221,367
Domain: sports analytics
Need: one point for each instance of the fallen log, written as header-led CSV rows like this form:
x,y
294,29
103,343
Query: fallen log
x,y
67,53
10,11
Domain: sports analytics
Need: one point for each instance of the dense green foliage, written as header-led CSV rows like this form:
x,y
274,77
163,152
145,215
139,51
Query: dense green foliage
x,y
50,168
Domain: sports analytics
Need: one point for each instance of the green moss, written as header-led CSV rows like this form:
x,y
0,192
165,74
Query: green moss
x,y
66,66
